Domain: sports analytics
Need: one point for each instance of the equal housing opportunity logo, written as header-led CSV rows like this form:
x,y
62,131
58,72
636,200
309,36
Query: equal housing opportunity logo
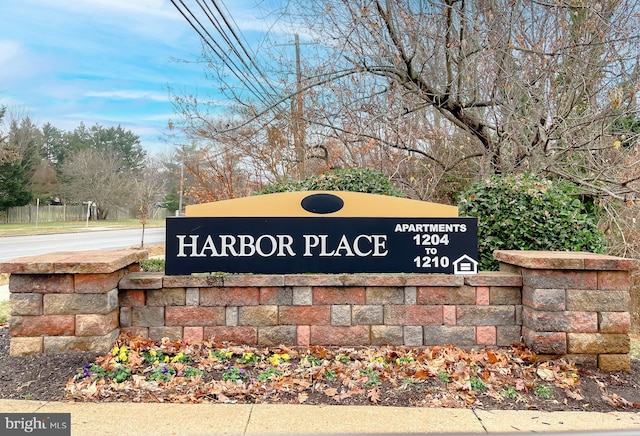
x,y
49,424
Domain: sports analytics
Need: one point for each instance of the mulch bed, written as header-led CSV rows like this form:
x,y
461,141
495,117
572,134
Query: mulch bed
x,y
142,370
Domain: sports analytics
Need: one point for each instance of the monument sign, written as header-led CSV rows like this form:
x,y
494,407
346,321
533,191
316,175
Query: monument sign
x,y
321,232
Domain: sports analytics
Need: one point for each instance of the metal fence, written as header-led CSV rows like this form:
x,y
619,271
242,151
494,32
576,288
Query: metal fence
x,y
64,213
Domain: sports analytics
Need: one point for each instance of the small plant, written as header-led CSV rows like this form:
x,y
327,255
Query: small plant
x,y
543,391
477,384
380,361
444,377
276,359
248,359
121,354
404,360
343,358
191,372
330,375
510,392
91,369
234,374
309,360
162,373
268,374
373,379
220,355
153,356
180,358
97,370
120,374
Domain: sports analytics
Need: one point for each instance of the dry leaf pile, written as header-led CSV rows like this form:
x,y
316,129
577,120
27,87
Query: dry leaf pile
x,y
143,370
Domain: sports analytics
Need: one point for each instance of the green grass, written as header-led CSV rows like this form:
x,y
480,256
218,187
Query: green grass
x,y
4,311
152,265
635,346
72,226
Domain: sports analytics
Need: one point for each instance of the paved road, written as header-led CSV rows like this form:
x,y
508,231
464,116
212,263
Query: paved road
x,y
18,246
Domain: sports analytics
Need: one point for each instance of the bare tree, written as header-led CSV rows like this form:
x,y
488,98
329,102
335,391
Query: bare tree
x,y
97,176
486,86
148,190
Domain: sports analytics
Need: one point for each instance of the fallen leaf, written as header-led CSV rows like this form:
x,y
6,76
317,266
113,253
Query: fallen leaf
x,y
330,392
491,357
374,395
545,374
573,395
421,374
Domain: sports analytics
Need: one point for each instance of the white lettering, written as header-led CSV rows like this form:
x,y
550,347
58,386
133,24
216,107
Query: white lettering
x,y
356,245
310,241
182,245
273,243
208,245
227,242
361,246
380,244
284,242
323,246
432,228
247,245
343,245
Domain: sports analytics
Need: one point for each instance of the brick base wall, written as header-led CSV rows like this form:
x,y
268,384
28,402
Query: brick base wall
x,y
560,304
357,309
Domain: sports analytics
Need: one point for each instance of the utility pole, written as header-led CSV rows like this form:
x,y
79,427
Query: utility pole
x,y
179,212
298,135
297,129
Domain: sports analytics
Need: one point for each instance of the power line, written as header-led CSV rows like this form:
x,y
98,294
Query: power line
x,y
246,52
250,57
238,61
220,51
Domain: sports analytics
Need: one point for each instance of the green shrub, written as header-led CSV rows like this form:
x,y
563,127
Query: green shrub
x,y
525,212
152,265
352,179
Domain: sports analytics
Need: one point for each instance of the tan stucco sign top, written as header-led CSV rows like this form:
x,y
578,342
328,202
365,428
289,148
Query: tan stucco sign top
x,y
288,204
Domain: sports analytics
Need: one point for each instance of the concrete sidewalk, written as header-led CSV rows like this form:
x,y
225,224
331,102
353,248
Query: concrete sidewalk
x,y
252,419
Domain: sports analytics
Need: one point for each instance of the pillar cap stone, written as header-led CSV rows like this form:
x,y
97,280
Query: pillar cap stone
x,y
568,260
68,262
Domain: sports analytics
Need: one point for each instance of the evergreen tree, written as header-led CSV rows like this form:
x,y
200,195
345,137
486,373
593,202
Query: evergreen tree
x,y
13,185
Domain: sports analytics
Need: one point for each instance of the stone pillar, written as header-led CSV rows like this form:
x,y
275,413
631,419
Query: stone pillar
x,y
66,301
574,304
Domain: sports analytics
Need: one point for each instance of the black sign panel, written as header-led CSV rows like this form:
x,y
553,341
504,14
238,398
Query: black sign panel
x,y
279,245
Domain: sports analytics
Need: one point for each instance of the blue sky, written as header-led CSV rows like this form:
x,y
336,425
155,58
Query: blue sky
x,y
103,61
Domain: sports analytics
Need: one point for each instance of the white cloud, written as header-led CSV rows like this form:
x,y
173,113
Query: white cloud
x,y
158,8
9,50
125,94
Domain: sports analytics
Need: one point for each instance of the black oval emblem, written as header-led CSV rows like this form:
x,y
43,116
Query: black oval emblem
x,y
322,203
